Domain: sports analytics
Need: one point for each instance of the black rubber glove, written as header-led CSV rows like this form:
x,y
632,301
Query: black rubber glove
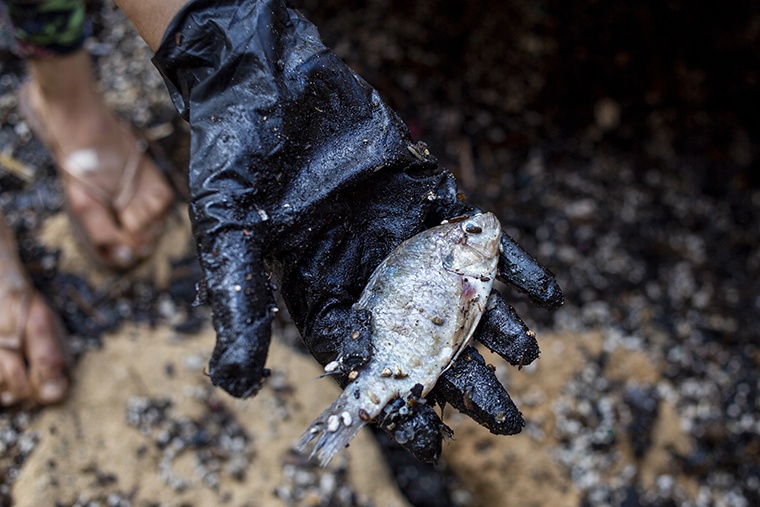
x,y
299,169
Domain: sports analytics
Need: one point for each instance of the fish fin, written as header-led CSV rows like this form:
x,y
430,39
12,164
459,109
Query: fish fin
x,y
334,428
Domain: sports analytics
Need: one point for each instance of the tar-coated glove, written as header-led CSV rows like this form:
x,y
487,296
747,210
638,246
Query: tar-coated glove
x,y
299,169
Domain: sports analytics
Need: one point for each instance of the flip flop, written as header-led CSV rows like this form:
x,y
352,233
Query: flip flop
x,y
83,162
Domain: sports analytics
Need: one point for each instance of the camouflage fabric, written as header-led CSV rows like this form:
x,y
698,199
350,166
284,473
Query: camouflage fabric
x,y
47,28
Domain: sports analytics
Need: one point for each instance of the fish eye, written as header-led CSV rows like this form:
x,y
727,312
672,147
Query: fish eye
x,y
472,229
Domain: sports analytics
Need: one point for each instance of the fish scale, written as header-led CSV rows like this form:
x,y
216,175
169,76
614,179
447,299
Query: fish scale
x,y
426,299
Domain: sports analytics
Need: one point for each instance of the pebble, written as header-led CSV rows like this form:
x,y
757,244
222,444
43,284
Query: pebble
x,y
333,423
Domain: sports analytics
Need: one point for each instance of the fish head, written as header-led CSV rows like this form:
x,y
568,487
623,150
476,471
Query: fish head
x,y
483,234
474,245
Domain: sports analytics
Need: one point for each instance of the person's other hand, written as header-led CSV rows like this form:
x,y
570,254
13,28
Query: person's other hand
x,y
299,169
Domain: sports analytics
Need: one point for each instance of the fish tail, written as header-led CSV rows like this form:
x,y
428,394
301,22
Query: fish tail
x,y
333,429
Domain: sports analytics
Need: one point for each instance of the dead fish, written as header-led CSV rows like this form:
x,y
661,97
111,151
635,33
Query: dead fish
x,y
426,299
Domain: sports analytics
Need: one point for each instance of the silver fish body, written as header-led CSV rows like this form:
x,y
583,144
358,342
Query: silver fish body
x,y
426,299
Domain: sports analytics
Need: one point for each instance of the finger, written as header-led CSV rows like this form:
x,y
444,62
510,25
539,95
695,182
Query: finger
x,y
503,332
415,427
449,202
520,270
237,286
473,389
242,339
340,339
516,266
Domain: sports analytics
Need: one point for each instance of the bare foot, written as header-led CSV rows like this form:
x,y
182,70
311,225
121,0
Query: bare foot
x,y
115,193
32,359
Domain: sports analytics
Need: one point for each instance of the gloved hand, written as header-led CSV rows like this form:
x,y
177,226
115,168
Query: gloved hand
x,y
299,169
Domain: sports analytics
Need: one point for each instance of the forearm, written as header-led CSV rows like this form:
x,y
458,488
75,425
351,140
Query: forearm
x,y
151,17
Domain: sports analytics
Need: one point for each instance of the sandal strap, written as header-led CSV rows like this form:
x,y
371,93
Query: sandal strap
x,y
83,162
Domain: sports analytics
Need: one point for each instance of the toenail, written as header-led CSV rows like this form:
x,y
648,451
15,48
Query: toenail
x,y
7,398
52,391
123,255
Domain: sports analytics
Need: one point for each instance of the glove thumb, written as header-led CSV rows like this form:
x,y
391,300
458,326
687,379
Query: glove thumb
x,y
240,294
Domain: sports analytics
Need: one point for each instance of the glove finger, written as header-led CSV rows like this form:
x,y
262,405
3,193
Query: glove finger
x,y
243,336
449,202
340,339
520,270
417,428
516,266
238,289
473,389
503,332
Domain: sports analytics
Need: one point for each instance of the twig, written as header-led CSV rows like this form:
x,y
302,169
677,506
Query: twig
x,y
17,168
86,307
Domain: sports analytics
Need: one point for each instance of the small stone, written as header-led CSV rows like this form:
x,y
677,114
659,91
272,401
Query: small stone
x,y
607,114
333,423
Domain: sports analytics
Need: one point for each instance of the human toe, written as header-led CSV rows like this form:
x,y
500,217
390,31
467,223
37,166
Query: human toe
x,y
45,354
113,246
14,386
142,218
